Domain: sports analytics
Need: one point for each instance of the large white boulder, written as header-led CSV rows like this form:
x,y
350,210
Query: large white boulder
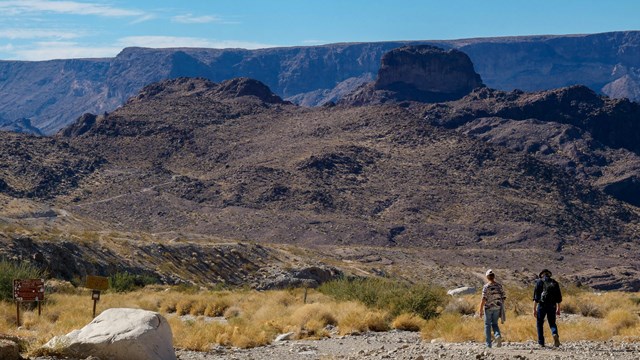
x,y
119,334
465,290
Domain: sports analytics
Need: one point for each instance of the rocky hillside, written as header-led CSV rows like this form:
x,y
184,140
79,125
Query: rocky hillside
x,y
53,94
507,180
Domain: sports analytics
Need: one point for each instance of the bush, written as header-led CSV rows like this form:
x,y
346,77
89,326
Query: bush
x,y
394,296
125,282
408,322
10,271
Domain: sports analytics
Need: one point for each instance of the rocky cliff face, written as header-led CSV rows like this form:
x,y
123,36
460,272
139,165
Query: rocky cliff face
x,y
419,73
427,72
53,94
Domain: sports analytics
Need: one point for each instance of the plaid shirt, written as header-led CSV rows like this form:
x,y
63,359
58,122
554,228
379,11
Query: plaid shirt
x,y
494,295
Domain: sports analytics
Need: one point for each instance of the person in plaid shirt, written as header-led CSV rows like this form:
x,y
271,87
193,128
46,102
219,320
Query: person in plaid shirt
x,y
492,308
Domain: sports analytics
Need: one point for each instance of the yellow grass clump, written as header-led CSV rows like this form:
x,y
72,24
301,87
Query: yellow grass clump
x,y
408,322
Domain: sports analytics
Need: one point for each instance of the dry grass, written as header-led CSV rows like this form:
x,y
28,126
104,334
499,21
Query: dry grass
x,y
408,322
587,316
256,318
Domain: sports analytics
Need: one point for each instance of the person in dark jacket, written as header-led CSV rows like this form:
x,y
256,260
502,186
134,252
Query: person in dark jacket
x,y
546,303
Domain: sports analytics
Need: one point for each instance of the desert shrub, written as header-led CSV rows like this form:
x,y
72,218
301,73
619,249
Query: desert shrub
x,y
589,309
10,271
394,296
125,281
408,322
311,319
183,307
635,300
461,306
619,319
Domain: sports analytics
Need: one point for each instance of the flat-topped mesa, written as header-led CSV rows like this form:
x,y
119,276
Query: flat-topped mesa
x,y
425,72
228,89
419,73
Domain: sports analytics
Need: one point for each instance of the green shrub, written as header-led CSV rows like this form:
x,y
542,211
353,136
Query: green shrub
x,y
125,282
394,296
10,271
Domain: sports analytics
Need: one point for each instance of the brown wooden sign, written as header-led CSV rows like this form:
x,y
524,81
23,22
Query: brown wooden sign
x,y
97,282
28,290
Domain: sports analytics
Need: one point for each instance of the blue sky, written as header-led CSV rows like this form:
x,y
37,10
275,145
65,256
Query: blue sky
x,y
40,29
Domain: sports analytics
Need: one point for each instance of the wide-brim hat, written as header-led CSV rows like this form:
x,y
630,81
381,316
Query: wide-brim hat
x,y
544,271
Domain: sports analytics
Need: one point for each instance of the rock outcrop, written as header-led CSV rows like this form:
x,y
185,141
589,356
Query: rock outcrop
x,y
419,73
427,73
119,334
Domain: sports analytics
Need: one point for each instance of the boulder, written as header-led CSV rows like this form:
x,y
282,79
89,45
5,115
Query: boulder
x,y
9,350
119,334
465,290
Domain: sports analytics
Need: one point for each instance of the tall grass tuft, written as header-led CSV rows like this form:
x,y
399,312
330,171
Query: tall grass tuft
x,y
10,271
394,296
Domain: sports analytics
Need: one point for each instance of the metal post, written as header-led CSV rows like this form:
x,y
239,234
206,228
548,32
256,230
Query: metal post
x,y
39,308
18,313
94,307
305,295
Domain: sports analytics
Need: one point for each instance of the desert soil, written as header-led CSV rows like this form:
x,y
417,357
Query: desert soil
x,y
408,345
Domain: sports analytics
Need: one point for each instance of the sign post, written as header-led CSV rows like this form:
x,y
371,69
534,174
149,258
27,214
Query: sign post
x,y
97,284
28,290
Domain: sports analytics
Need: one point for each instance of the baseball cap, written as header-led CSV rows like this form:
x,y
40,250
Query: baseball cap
x,y
489,272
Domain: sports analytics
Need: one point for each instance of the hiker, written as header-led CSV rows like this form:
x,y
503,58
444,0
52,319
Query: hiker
x,y
492,308
546,302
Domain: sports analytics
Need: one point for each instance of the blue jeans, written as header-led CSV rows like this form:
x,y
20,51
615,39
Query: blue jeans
x,y
491,317
550,312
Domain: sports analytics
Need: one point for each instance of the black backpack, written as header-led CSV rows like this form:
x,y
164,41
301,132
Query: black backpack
x,y
549,291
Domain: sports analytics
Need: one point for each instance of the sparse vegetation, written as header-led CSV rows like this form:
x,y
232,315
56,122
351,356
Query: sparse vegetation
x,y
247,318
394,296
124,281
10,271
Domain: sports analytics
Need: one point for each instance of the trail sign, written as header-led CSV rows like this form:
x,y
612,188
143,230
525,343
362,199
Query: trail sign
x,y
28,290
97,282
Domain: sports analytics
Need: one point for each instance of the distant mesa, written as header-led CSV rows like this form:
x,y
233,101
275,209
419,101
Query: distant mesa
x,y
421,73
228,89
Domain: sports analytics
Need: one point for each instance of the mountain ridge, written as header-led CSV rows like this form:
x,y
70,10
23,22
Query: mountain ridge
x,y
606,62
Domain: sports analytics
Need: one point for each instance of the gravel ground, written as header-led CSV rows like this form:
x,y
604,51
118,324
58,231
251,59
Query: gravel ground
x,y
408,345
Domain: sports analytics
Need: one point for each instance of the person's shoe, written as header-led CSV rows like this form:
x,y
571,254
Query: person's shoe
x,y
541,346
498,341
556,340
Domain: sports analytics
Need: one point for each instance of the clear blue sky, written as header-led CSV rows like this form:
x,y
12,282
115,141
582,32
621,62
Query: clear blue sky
x,y
40,29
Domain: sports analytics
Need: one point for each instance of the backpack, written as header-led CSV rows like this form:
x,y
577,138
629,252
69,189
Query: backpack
x,y
549,291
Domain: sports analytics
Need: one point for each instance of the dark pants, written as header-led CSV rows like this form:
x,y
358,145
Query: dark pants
x,y
550,312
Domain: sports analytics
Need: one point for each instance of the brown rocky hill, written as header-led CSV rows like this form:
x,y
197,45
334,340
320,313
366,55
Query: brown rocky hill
x,y
230,160
513,181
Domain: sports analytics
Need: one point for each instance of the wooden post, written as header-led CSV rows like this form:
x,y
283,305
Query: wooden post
x,y
95,295
39,308
305,294
18,313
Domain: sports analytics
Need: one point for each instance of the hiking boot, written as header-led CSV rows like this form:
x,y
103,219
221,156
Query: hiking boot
x,y
556,340
498,341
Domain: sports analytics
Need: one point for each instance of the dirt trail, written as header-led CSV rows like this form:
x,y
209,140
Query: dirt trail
x,y
407,345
